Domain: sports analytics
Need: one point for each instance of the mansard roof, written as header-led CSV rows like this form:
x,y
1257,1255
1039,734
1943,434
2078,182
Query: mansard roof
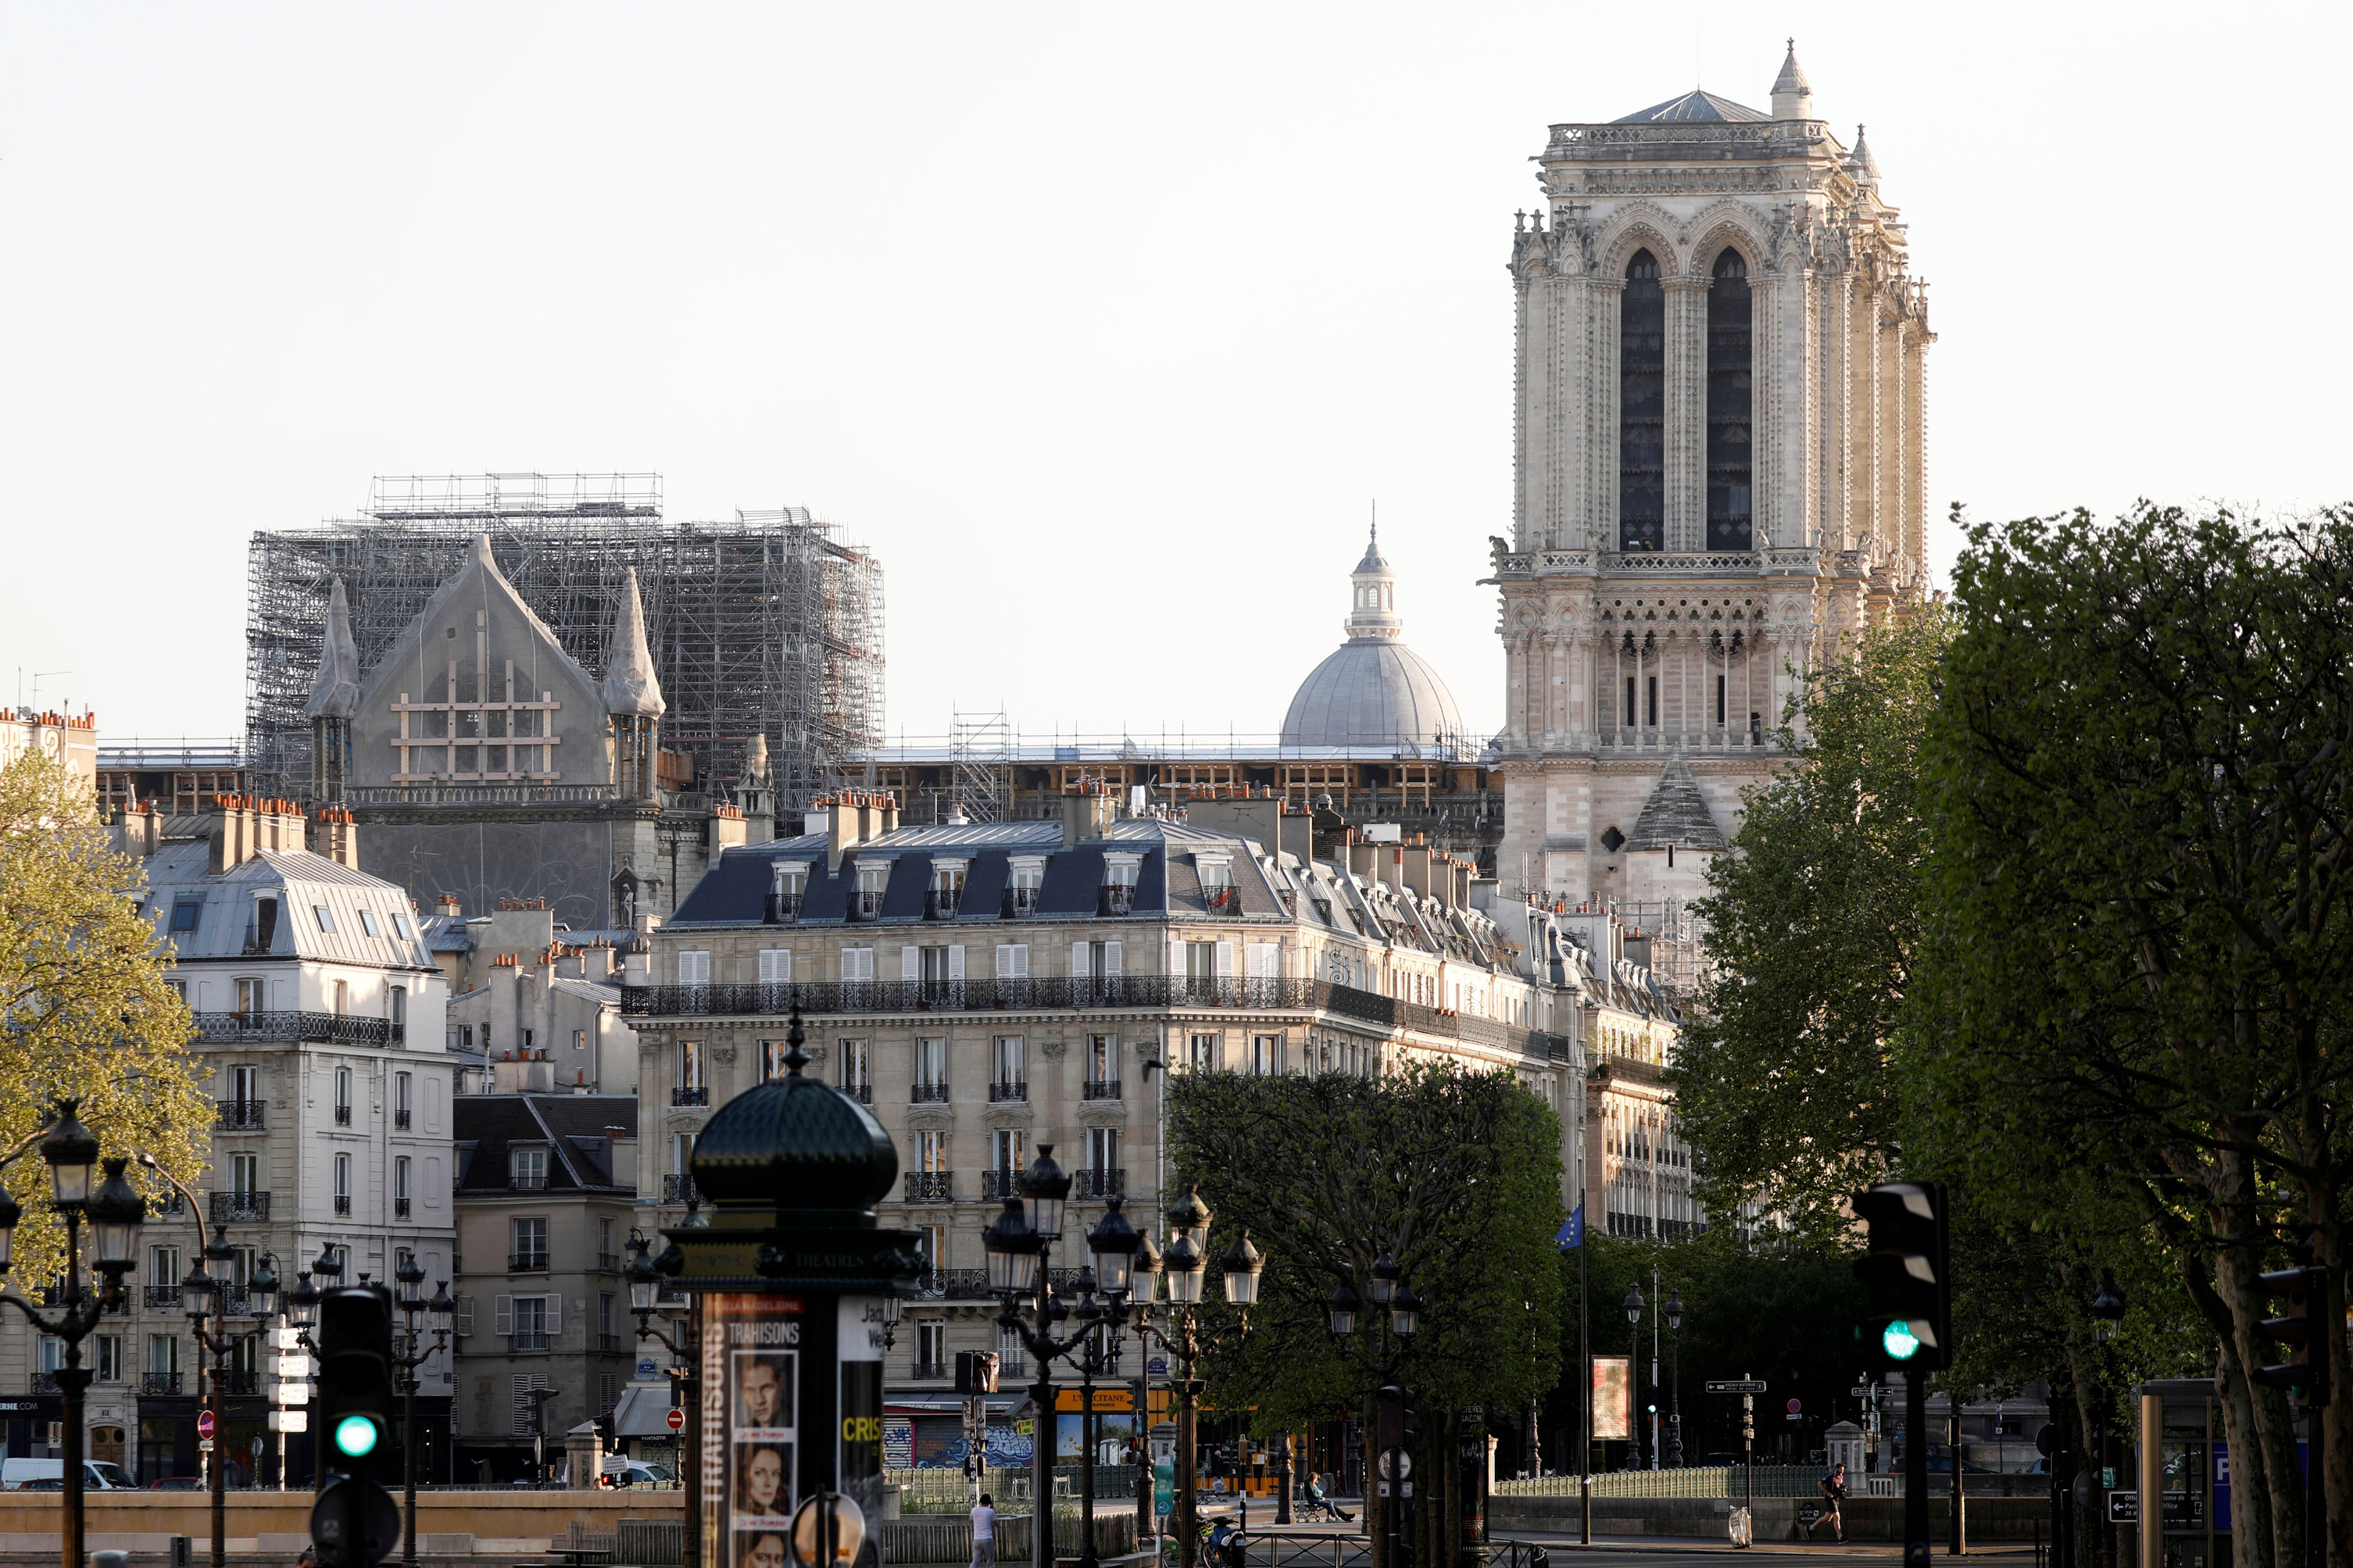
x,y
1694,105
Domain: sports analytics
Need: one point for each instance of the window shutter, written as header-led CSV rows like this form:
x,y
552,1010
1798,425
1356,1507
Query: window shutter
x,y
465,1315
1080,967
502,1317
955,963
911,962
1265,960
554,1315
1225,958
1111,958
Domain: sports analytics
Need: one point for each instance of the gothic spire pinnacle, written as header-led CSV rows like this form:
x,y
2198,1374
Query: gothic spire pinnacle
x,y
1792,97
335,690
631,688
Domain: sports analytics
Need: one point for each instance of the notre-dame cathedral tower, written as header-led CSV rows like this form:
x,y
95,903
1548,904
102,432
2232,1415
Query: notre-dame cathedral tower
x,y
1719,456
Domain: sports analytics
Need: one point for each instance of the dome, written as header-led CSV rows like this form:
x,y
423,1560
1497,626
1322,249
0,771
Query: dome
x,y
796,1143
1372,693
1375,691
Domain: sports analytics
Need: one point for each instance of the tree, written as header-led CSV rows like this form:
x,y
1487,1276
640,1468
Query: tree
x,y
2135,953
1784,1081
1455,1173
88,1012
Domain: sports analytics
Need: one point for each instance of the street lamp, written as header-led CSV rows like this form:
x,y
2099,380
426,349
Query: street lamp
x,y
205,1297
1674,1311
115,1213
1633,1367
1341,1309
2107,1308
1401,1320
645,1295
408,1275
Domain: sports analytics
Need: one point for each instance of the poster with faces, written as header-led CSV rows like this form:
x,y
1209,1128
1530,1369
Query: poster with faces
x,y
753,1355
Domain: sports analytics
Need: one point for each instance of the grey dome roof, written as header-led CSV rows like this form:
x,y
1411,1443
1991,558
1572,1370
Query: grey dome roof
x,y
1371,693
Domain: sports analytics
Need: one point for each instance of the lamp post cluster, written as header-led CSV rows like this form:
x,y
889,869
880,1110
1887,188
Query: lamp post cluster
x,y
1398,1311
645,1295
1114,1292
114,1210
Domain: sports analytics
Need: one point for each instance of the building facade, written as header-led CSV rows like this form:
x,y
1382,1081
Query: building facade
x,y
988,989
319,1018
1720,429
546,1188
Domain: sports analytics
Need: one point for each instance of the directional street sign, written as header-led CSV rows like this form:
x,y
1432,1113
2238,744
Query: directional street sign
x,y
1737,1385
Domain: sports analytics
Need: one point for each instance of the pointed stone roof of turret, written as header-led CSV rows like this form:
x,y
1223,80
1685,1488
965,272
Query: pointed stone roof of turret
x,y
1792,79
1863,165
631,687
1373,560
1676,814
335,690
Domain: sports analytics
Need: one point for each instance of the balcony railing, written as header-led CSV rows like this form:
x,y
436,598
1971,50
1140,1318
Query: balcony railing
x,y
1051,993
965,1284
782,909
239,1380
530,1339
928,1094
235,1300
1102,1089
680,1190
865,904
240,1115
996,1187
928,1369
610,1344
1098,1184
45,1382
400,1122
342,1116
527,1263
343,1203
1020,903
609,1262
861,1092
940,903
690,1096
1009,1088
306,1028
930,1185
400,1208
526,1180
160,1382
240,1208
1116,900
161,1295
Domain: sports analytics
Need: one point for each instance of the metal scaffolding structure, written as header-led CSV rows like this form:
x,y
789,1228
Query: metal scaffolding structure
x,y
768,625
984,767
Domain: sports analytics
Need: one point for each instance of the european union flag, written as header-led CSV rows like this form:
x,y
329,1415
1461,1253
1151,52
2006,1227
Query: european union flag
x,y
1571,1233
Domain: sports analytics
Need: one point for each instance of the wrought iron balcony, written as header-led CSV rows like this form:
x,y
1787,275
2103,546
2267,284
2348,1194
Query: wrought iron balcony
x,y
240,1208
45,1382
782,909
343,1203
400,1208
966,1284
523,1180
1020,903
239,1380
609,1344
940,903
861,1092
996,1187
1116,899
1102,1089
530,1339
236,1302
160,1382
400,1122
161,1295
929,1369
609,1262
342,1116
930,1186
680,1190
1008,1089
928,1094
865,904
240,1115
690,1096
305,1028
527,1263
1098,1184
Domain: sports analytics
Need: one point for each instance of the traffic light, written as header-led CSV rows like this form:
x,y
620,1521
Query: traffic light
x,y
1909,1271
975,1372
2303,1326
354,1523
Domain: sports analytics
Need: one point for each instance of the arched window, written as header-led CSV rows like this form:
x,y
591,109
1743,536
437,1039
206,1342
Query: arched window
x,y
1730,470
1642,407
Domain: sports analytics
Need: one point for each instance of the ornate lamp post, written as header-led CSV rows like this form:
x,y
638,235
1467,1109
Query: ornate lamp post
x,y
1633,1364
1399,1311
115,1212
408,1298
645,1294
1674,1311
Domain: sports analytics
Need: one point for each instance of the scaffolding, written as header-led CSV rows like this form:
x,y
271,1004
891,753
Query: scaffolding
x,y
768,625
984,767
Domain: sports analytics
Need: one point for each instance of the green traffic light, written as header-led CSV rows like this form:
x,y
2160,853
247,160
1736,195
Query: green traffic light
x,y
1899,1342
355,1436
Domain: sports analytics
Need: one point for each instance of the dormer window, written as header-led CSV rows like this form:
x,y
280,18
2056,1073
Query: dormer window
x,y
1118,882
867,900
786,880
947,892
186,912
260,923
1028,876
1216,880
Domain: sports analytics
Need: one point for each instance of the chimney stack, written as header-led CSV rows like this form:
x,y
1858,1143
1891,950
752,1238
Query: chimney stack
x,y
1087,814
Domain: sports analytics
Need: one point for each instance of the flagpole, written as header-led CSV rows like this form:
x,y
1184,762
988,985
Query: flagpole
x,y
1585,1400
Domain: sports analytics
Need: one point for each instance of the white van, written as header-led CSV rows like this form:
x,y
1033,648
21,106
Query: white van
x,y
98,1474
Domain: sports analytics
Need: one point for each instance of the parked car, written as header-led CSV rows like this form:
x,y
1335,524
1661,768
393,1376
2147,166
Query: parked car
x,y
177,1484
30,1475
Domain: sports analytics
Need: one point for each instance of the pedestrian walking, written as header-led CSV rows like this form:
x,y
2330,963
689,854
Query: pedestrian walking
x,y
984,1532
1833,1489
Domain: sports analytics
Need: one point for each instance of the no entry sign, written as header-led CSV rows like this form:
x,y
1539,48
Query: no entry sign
x,y
677,1420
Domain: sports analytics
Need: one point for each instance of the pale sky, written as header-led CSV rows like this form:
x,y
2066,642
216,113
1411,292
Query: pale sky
x,y
1103,325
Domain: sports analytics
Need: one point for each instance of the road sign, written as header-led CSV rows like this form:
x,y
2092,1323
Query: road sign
x,y
2124,1508
1156,1367
1859,1390
204,1445
678,1420
204,1423
1796,1406
1395,1464
1737,1385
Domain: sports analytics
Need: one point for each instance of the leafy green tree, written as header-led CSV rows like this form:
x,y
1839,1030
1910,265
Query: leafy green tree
x,y
1783,1082
85,1010
1454,1174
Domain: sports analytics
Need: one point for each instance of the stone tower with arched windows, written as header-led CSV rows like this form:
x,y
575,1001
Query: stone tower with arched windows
x,y
1719,465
